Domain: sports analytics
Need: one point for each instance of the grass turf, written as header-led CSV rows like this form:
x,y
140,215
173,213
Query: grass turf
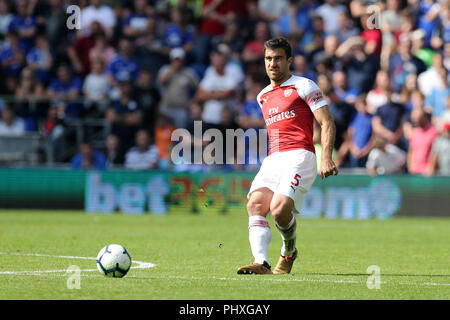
x,y
197,256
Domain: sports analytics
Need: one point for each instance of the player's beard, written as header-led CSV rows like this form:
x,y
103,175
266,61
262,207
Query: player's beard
x,y
277,76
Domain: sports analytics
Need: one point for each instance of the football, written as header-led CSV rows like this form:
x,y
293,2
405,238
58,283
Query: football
x,y
113,261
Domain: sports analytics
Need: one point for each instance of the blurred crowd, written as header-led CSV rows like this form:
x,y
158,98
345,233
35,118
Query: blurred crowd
x,y
146,67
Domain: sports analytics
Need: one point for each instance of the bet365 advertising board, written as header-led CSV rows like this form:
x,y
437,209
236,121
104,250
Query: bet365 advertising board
x,y
164,192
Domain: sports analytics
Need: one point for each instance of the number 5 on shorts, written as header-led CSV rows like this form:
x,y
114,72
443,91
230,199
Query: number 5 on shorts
x,y
296,180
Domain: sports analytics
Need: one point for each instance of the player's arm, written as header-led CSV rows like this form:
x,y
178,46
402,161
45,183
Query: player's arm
x,y
328,135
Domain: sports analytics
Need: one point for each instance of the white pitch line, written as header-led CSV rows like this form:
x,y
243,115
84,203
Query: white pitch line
x,y
140,264
147,265
257,278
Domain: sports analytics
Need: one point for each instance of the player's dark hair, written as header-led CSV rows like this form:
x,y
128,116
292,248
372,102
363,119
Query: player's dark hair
x,y
279,43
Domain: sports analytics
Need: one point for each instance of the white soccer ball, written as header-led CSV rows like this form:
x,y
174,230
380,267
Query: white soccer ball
x,y
113,261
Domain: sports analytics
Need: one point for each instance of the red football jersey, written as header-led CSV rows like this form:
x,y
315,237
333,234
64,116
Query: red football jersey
x,y
288,113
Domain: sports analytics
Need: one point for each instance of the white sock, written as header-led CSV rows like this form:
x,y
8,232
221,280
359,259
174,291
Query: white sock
x,y
259,237
289,235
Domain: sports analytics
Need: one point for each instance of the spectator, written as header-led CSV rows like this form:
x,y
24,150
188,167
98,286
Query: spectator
x,y
440,153
253,53
436,100
135,24
271,11
28,87
55,23
446,54
357,144
297,19
360,67
420,142
388,121
346,28
148,98
178,84
342,112
40,59
231,160
124,116
232,38
97,11
12,55
53,126
418,47
219,86
385,158
114,157
441,36
428,18
66,88
372,37
330,11
245,27
151,50
407,23
178,33
409,87
403,63
163,139
417,101
430,78
325,61
102,49
124,66
378,95
312,40
95,86
215,14
143,155
10,125
5,17
390,21
301,68
88,158
79,51
341,89
250,115
24,24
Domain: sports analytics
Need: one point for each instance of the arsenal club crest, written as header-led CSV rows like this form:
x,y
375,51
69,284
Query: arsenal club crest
x,y
287,92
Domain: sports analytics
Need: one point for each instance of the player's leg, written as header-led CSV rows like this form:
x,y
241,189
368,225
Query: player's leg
x,y
297,178
259,232
281,208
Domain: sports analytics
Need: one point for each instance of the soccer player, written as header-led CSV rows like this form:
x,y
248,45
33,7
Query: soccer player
x,y
289,105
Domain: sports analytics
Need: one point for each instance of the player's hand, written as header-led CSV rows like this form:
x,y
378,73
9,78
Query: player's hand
x,y
328,168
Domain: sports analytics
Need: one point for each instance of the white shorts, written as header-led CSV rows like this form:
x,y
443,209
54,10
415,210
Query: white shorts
x,y
290,173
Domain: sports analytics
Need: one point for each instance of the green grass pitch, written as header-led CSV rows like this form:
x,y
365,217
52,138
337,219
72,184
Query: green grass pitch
x,y
196,257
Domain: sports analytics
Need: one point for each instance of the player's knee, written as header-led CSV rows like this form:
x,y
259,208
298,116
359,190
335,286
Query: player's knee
x,y
280,208
256,208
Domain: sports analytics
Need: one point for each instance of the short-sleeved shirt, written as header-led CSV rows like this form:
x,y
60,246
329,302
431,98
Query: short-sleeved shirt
x,y
362,129
134,159
391,115
441,148
288,113
420,144
213,81
388,162
175,37
121,68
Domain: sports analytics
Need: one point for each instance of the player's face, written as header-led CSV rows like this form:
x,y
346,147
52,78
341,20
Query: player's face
x,y
277,65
